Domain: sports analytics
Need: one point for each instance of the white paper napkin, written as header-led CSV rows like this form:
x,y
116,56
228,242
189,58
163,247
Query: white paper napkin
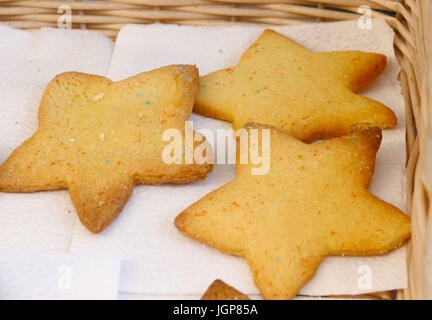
x,y
162,263
58,276
41,221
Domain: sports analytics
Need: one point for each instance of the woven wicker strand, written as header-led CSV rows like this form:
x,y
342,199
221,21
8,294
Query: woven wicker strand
x,y
409,19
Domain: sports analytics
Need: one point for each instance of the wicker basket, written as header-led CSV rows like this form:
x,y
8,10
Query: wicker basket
x,y
410,19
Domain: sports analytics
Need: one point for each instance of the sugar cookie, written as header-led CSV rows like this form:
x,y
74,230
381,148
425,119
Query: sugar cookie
x,y
314,202
99,138
310,95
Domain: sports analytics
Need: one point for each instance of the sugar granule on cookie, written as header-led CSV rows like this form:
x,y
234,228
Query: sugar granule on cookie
x,y
219,290
314,202
100,138
310,95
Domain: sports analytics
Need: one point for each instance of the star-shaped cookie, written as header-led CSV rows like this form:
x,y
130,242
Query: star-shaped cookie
x,y
99,138
314,202
219,290
310,95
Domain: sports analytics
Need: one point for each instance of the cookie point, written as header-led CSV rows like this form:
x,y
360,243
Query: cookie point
x,y
179,221
269,31
94,229
382,60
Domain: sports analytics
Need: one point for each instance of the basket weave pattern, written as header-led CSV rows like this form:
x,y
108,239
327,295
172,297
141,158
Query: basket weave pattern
x,y
409,18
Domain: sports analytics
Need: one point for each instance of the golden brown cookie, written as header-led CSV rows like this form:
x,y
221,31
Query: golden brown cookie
x,y
310,95
314,202
219,290
99,138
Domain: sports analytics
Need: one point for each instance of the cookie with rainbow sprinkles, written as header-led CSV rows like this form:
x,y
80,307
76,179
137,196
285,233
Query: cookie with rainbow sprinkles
x,y
309,95
313,202
100,138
